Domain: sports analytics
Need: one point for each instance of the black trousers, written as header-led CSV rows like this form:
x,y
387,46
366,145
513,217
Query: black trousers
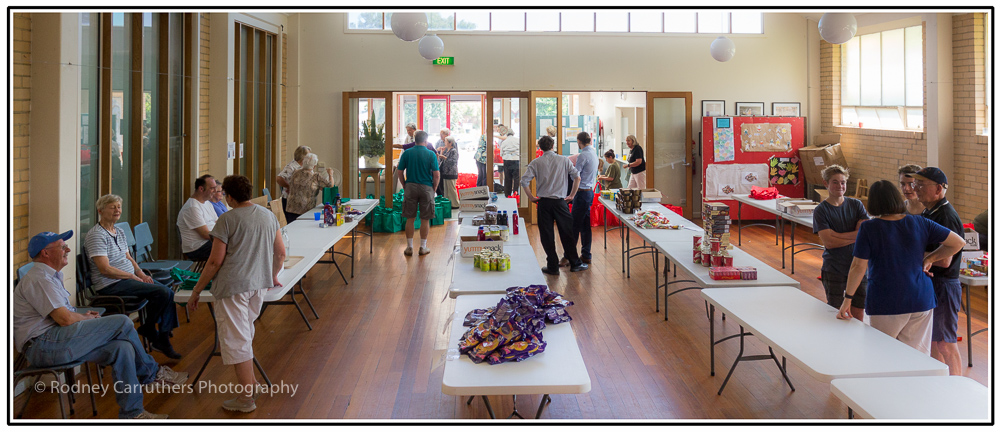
x,y
511,176
556,210
481,179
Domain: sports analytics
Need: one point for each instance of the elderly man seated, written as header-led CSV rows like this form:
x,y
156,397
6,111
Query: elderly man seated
x,y
49,331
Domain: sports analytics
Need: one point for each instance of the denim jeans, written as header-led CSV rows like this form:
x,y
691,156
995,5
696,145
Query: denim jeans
x,y
160,309
581,220
110,340
481,177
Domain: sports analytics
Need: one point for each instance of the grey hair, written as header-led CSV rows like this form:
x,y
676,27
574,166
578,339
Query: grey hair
x,y
446,131
450,139
103,201
309,161
412,125
301,152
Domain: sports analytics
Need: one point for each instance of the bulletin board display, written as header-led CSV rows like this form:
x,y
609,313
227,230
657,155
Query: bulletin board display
x,y
731,151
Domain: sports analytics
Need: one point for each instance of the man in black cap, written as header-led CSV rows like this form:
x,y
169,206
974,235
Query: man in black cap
x,y
931,185
49,331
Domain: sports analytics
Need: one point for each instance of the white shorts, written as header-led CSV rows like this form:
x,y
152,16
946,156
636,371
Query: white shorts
x,y
913,329
234,317
637,181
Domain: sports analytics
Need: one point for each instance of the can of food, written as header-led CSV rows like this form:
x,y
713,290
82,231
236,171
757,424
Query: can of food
x,y
484,263
697,256
506,258
697,241
494,264
503,266
727,261
716,260
475,260
716,245
706,259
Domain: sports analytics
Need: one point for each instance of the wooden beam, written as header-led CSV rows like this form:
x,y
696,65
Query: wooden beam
x,y
261,107
345,160
136,97
186,99
163,138
237,82
251,122
104,144
275,143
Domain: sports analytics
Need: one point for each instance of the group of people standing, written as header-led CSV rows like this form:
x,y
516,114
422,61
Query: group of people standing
x,y
900,265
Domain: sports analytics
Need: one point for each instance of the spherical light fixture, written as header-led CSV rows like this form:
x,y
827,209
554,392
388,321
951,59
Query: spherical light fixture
x,y
723,49
431,47
837,28
409,26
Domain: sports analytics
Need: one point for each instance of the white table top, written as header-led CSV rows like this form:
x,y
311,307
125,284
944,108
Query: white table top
x,y
920,397
769,206
502,203
806,331
974,280
689,229
682,255
558,370
524,271
306,239
801,220
467,229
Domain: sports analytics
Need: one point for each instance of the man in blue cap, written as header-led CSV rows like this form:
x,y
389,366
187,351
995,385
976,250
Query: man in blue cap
x,y
931,184
49,331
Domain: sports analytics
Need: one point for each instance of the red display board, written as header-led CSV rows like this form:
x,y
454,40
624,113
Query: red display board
x,y
741,157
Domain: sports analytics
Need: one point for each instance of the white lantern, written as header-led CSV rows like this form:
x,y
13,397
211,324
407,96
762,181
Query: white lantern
x,y
409,26
723,49
837,28
431,47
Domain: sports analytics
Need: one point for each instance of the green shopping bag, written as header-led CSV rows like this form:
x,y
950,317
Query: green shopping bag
x,y
396,221
377,219
446,204
438,218
330,193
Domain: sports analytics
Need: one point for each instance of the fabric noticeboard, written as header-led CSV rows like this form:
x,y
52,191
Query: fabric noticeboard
x,y
766,137
723,180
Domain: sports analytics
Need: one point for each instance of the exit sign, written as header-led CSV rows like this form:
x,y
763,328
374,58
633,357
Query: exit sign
x,y
443,61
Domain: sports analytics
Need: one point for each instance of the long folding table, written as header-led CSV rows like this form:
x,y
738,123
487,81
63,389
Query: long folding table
x,y
915,398
558,370
779,226
524,271
681,254
806,331
649,236
967,283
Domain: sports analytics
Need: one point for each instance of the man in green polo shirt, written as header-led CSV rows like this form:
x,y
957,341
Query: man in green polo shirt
x,y
418,171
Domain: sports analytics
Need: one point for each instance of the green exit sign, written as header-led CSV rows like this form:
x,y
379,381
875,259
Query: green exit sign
x,y
443,61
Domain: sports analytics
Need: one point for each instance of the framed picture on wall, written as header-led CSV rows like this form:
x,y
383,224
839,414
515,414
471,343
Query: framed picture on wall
x,y
713,108
785,109
749,108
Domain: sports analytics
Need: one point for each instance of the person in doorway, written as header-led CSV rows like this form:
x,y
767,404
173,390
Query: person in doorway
x,y
551,173
612,178
411,129
440,149
583,197
551,132
305,184
890,249
49,331
906,182
114,272
837,220
247,255
196,220
481,179
419,172
510,151
285,178
448,163
636,164
931,186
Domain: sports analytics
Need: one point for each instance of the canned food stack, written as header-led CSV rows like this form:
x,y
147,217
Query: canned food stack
x,y
491,261
715,244
628,200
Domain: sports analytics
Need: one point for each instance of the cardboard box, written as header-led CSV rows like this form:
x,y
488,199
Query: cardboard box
x,y
474,193
783,204
802,209
824,151
470,246
651,195
473,205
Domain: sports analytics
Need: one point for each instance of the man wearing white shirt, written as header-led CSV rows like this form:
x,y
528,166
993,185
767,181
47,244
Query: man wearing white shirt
x,y
196,220
510,152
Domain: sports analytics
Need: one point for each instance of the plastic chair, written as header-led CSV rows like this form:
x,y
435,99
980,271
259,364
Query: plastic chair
x,y
267,194
63,373
129,238
87,296
23,270
144,251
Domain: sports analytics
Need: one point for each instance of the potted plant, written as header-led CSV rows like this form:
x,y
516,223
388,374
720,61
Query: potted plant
x,y
372,142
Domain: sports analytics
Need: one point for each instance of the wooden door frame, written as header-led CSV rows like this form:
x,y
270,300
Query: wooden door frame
x,y
389,174
488,131
650,148
532,121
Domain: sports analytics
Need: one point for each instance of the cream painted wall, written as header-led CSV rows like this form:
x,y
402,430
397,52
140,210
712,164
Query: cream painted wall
x,y
766,68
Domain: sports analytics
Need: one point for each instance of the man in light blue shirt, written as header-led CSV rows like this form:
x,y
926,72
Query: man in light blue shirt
x,y
586,164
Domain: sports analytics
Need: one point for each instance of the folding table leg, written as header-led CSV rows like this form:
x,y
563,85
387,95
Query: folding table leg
x,y
306,296
545,399
489,408
515,413
968,322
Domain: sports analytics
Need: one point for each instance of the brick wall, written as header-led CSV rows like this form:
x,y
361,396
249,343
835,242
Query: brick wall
x,y
969,183
20,129
204,32
871,154
283,158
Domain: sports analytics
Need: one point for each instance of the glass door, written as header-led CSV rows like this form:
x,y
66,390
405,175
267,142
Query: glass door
x,y
435,114
505,108
544,109
669,167
363,168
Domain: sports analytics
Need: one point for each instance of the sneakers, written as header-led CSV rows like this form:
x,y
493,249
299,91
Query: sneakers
x,y
424,251
240,404
580,267
146,415
408,251
169,376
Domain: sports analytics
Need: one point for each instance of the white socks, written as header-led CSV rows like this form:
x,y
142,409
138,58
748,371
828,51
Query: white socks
x,y
423,243
409,242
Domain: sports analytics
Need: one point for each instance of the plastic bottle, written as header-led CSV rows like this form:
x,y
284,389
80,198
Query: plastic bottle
x,y
481,236
329,217
515,222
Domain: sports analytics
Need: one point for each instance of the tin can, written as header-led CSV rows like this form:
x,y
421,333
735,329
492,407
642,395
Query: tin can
x,y
506,258
716,260
484,263
697,241
706,259
697,256
716,245
494,264
504,265
727,261
475,261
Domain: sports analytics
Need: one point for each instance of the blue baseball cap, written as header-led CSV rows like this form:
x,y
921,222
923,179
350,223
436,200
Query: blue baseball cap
x,y
42,240
933,174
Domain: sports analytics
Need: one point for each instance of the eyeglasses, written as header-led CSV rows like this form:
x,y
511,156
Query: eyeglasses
x,y
64,247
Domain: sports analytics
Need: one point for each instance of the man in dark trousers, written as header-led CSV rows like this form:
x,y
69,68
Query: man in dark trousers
x,y
551,173
931,185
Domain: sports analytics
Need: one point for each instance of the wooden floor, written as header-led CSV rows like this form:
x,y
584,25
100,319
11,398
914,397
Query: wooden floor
x,y
377,351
